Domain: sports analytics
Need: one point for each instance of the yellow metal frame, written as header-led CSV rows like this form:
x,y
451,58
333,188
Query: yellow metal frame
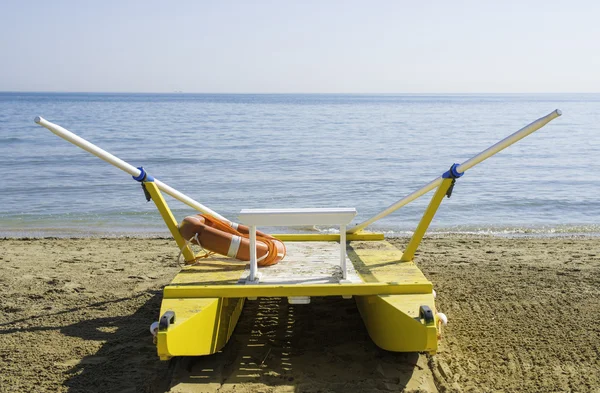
x,y
234,291
389,299
434,204
169,219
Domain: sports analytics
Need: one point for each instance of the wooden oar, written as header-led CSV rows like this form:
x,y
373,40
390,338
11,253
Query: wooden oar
x,y
503,144
124,166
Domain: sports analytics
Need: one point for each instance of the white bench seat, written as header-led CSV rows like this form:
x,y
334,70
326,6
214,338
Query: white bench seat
x,y
296,217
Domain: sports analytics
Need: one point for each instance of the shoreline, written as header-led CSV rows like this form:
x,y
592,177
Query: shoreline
x,y
61,233
522,316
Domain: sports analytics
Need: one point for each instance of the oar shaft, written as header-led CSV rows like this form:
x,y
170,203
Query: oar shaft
x,y
124,166
503,144
509,140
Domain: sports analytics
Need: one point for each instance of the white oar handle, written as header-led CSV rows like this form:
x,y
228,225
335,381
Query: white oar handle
x,y
87,146
509,140
503,144
124,166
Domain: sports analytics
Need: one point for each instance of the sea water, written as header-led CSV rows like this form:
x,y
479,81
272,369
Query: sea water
x,y
231,152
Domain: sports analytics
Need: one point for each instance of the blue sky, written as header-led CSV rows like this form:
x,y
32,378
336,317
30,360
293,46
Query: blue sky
x,y
300,46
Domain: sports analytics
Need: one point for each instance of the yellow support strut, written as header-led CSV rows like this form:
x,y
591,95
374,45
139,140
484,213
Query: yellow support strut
x,y
415,240
169,219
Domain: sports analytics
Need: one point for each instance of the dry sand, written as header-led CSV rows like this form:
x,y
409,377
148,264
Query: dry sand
x,y
524,316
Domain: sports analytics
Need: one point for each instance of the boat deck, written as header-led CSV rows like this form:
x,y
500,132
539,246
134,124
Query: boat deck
x,y
205,300
310,268
308,263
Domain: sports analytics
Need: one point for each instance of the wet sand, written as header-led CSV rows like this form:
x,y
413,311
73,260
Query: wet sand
x,y
524,315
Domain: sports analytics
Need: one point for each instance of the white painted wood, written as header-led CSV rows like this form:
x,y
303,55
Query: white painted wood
x,y
253,262
299,299
343,251
297,217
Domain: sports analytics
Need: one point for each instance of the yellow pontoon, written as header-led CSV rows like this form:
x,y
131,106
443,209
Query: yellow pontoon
x,y
202,305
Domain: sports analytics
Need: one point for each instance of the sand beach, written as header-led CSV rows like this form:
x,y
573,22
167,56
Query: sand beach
x,y
228,106
523,316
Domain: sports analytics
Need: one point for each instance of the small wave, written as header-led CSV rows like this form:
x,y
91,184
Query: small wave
x,y
542,231
13,140
305,228
328,230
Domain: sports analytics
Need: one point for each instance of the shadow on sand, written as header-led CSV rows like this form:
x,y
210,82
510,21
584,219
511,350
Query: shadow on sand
x,y
321,347
127,360
276,347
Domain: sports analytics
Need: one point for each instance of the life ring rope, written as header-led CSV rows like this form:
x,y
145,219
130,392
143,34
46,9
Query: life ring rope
x,y
197,256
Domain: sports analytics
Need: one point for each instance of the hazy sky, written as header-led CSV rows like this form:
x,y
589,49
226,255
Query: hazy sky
x,y
300,46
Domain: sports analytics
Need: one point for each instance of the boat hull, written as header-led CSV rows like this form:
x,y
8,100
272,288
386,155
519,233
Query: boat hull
x,y
394,298
394,322
200,327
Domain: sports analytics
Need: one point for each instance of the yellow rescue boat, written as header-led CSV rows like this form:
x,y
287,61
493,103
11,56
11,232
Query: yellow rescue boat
x,y
203,303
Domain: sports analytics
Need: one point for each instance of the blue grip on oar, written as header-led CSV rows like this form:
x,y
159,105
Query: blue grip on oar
x,y
143,176
453,173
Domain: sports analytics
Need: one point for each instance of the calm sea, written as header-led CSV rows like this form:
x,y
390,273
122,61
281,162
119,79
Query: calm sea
x,y
265,151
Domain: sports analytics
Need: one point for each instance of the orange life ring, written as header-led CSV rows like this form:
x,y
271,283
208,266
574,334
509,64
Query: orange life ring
x,y
231,239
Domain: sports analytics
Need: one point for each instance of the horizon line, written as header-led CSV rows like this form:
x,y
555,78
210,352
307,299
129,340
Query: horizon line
x,y
281,93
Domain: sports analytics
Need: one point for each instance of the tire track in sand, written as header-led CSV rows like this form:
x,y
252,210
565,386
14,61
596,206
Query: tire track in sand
x,y
525,321
320,347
